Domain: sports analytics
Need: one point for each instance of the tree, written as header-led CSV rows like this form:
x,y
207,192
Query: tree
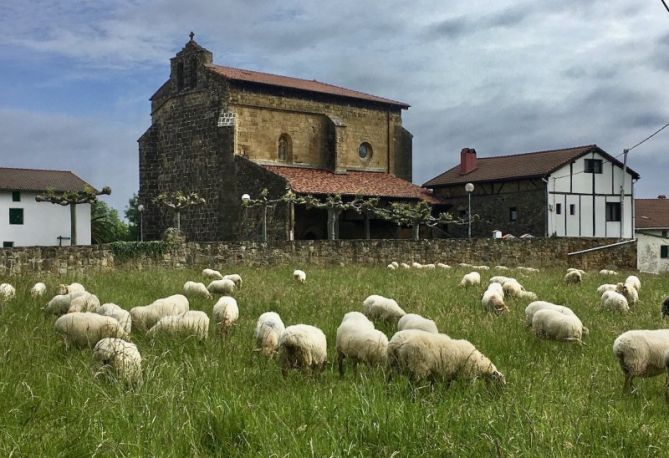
x,y
131,213
414,215
178,201
106,226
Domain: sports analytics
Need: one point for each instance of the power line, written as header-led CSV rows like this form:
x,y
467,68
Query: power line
x,y
665,5
654,133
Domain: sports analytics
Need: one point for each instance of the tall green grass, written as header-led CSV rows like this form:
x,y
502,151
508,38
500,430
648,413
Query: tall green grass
x,y
221,398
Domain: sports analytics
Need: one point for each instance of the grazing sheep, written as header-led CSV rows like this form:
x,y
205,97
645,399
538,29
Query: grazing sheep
x,y
552,324
573,276
71,288
606,287
415,321
85,329
528,296
465,265
212,274
377,307
416,265
222,286
269,328
299,276
404,265
423,355
358,341
38,290
395,263
634,281
121,358
480,267
192,288
502,268
512,288
629,291
191,323
236,279
665,307
83,302
119,314
430,266
615,301
527,269
391,267
493,299
534,307
146,316
441,265
58,305
470,279
7,292
302,346
225,313
641,353
574,269
500,279
607,272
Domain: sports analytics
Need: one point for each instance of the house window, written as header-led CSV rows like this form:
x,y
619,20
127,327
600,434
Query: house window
x,y
664,251
664,233
285,148
593,166
572,209
558,209
15,216
16,196
7,244
513,214
613,211
365,151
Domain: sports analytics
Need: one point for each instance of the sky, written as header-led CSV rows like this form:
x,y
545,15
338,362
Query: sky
x,y
503,78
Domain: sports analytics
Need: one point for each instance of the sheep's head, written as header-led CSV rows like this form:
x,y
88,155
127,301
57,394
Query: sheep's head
x,y
62,289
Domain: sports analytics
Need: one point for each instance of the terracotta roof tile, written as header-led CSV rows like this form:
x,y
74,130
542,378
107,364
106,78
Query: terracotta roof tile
x,y
651,213
370,184
12,179
299,84
526,165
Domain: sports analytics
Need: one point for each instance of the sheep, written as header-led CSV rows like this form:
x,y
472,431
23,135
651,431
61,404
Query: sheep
x,y
527,269
83,302
391,267
382,308
480,267
574,269
225,313
573,276
493,299
302,346
358,341
465,265
601,289
119,314
535,306
212,274
7,292
441,265
634,281
502,268
629,291
665,307
236,279
395,263
641,353
38,289
269,328
121,357
615,301
512,288
528,296
191,323
71,288
222,286
552,324
58,305
416,265
145,316
607,272
405,266
415,321
85,329
436,356
470,279
430,266
499,279
300,276
192,288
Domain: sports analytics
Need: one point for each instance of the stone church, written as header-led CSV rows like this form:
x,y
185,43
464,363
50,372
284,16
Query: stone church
x,y
223,132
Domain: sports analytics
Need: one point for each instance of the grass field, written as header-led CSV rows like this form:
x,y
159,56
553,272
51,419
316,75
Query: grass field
x,y
220,398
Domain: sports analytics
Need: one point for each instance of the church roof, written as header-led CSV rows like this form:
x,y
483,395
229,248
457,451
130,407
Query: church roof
x,y
12,179
651,213
269,79
368,184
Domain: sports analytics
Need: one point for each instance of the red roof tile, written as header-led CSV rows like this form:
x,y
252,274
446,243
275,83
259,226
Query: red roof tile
x,y
12,179
511,167
651,213
371,184
299,84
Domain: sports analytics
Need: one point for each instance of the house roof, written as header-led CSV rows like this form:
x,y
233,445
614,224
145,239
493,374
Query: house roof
x,y
371,184
651,213
269,79
526,165
12,179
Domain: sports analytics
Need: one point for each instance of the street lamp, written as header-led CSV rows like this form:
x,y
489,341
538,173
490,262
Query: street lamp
x,y
469,187
140,209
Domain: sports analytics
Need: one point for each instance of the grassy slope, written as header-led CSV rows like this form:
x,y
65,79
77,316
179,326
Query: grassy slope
x,y
221,398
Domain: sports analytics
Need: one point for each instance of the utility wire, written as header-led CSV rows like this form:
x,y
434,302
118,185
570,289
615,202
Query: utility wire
x,y
665,5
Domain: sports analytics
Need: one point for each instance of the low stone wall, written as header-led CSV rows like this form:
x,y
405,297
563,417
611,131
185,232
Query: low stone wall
x,y
533,252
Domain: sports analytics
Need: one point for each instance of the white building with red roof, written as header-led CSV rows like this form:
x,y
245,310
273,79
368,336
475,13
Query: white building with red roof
x,y
652,233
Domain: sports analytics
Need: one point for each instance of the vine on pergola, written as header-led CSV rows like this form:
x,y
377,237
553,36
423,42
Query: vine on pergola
x,y
178,201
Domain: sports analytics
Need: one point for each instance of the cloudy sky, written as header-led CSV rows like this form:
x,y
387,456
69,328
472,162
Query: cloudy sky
x,y
512,77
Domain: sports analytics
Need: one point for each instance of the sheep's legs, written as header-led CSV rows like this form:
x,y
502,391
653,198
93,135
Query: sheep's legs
x,y
627,386
340,363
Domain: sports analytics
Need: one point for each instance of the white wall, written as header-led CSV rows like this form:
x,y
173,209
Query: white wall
x,y
648,252
43,222
572,186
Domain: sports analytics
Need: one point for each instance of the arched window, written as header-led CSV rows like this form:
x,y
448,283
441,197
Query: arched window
x,y
285,148
193,73
180,76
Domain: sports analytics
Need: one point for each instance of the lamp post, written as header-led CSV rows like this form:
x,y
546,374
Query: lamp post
x,y
469,187
140,209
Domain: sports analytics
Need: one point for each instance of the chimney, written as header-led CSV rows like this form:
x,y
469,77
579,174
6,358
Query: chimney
x,y
467,160
662,196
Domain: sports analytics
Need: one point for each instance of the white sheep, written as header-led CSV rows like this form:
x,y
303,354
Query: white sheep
x,y
493,299
528,295
146,316
415,321
502,268
212,274
629,291
222,286
634,281
38,289
236,279
300,276
391,267
71,288
83,302
641,353
424,355
535,306
7,292
358,341
269,328
416,265
573,276
192,288
377,307
121,357
405,266
225,313
119,314
527,269
574,269
501,279
83,329
601,289
607,272
615,301
465,265
441,265
395,263
552,324
481,268
470,279
302,346
58,305
191,323
430,266
512,288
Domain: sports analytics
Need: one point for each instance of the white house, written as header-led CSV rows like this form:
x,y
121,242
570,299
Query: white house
x,y
25,222
571,192
652,233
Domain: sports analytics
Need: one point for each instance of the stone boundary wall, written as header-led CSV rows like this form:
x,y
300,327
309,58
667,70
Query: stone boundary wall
x,y
543,252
